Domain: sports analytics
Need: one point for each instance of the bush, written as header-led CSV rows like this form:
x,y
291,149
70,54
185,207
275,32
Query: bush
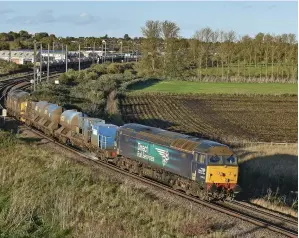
x,y
99,68
129,74
114,68
10,67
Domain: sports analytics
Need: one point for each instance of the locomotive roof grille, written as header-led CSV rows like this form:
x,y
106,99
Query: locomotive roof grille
x,y
184,144
177,140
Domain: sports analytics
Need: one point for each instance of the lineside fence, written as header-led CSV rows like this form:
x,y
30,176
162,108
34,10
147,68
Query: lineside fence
x,y
253,143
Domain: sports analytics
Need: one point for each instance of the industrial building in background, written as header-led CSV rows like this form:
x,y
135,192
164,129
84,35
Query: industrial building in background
x,y
19,56
58,56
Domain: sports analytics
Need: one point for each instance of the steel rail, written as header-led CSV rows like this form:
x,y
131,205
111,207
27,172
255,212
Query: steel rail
x,y
268,213
214,206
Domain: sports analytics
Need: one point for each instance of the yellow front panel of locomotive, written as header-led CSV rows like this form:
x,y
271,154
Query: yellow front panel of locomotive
x,y
221,174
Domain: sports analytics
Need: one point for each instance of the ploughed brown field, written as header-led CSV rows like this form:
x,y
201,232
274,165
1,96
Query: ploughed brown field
x,y
225,118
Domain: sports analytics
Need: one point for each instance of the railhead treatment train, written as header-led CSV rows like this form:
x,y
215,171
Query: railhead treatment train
x,y
199,167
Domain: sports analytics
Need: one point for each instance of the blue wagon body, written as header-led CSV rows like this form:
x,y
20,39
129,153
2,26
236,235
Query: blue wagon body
x,y
85,124
104,135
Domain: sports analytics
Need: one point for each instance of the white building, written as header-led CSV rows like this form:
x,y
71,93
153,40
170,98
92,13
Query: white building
x,y
53,55
19,56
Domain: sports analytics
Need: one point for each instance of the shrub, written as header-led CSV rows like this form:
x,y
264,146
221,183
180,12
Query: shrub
x,y
114,68
99,68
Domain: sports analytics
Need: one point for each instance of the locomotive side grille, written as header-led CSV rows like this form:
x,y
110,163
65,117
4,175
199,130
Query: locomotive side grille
x,y
184,144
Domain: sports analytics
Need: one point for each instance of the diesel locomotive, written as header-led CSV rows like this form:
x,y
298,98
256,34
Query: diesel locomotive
x,y
199,167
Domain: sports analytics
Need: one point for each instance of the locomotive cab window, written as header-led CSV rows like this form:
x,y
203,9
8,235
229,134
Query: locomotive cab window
x,y
230,160
214,159
201,158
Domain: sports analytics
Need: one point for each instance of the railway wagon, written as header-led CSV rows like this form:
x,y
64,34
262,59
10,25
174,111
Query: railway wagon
x,y
38,113
85,126
186,163
52,115
103,138
69,121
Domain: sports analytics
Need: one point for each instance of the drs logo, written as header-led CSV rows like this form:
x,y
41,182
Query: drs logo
x,y
154,153
164,154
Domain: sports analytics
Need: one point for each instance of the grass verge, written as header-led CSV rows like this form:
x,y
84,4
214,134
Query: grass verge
x,y
42,194
269,176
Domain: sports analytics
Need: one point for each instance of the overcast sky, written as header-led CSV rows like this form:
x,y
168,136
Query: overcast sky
x,y
119,18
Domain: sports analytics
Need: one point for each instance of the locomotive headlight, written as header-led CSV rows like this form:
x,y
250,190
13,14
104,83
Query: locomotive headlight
x,y
229,173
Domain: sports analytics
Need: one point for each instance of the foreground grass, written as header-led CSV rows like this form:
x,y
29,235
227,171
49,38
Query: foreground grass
x,y
219,88
42,194
269,176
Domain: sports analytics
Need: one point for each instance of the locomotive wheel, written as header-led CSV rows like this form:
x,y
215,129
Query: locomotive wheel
x,y
140,172
175,186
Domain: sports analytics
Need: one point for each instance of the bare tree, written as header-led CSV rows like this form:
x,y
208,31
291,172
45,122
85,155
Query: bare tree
x,y
222,53
199,36
169,30
152,29
214,40
151,32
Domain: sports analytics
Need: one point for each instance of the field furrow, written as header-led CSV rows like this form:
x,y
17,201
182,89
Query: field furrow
x,y
226,118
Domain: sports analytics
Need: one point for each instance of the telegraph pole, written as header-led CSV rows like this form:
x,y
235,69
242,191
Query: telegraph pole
x,y
65,58
9,54
79,59
48,66
136,52
41,62
121,48
104,42
105,50
62,52
34,67
93,50
102,53
53,54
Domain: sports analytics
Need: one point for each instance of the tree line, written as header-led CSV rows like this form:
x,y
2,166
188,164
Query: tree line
x,y
208,55
24,40
217,54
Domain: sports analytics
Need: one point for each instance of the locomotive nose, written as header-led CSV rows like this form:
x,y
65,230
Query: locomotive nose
x,y
221,174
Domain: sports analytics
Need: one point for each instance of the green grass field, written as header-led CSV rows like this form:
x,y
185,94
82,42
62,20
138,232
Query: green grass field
x,y
185,87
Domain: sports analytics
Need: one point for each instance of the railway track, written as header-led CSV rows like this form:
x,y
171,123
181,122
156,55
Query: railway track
x,y
282,225
279,218
279,226
21,82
